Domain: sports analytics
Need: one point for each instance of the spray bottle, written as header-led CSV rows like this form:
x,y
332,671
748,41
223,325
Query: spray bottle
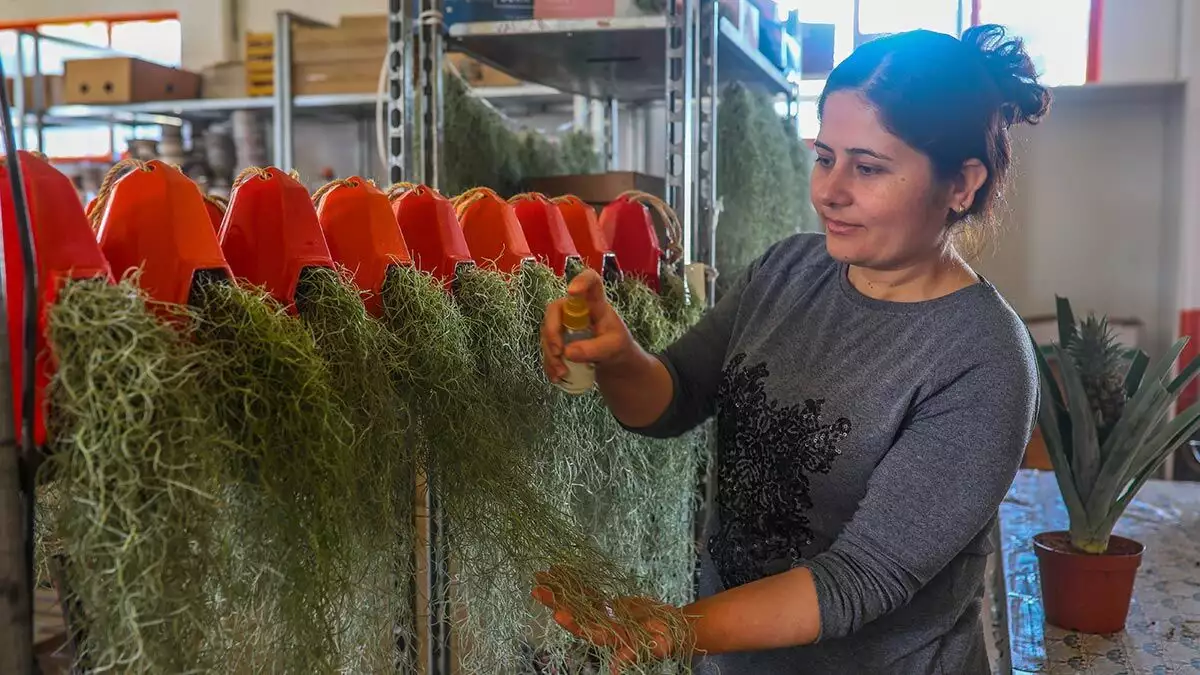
x,y
577,325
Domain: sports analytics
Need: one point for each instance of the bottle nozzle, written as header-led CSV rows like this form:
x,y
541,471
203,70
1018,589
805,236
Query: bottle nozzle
x,y
575,314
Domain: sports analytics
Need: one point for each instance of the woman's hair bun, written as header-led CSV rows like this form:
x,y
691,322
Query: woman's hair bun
x,y
1023,99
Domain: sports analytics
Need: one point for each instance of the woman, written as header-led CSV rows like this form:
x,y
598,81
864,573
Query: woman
x,y
873,394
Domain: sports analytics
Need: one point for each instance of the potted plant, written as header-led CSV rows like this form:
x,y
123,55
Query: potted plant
x,y
1107,426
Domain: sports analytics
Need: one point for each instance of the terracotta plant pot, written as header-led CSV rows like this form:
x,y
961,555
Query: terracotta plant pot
x,y
1084,592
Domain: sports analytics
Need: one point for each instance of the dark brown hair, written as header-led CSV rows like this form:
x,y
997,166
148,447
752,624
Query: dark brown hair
x,y
951,99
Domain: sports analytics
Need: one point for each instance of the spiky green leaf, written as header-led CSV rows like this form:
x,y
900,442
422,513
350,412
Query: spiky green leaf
x,y
1189,371
1146,408
1055,426
1085,444
1183,427
1066,321
1137,368
1149,406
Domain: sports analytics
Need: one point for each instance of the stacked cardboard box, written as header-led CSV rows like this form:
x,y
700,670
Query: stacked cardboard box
x,y
52,91
344,59
341,60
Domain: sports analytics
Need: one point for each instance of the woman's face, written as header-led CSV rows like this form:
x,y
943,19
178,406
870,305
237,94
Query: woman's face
x,y
877,197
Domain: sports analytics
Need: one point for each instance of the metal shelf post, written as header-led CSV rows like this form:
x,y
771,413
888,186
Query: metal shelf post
x,y
399,92
432,47
283,111
707,208
612,134
680,99
431,52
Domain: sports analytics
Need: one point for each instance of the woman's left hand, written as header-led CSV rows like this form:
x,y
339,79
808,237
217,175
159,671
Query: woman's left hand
x,y
624,647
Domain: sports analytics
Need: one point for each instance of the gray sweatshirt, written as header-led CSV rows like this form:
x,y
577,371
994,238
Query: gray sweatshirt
x,y
869,441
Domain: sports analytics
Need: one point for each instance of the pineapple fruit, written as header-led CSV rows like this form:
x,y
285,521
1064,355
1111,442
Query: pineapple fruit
x,y
1101,363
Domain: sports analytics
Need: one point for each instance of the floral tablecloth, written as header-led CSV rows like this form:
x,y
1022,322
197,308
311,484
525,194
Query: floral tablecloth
x,y
1162,635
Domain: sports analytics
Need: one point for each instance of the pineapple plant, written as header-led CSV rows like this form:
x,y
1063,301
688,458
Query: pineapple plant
x,y
1106,421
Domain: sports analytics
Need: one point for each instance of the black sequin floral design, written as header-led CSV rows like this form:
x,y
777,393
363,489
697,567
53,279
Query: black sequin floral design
x,y
767,453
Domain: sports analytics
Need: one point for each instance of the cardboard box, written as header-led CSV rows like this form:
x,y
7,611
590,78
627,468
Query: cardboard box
x,y
336,78
574,9
346,59
224,80
359,77
126,80
468,11
587,9
52,91
745,16
597,189
479,74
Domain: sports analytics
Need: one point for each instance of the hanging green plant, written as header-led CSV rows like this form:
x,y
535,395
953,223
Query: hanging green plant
x,y
634,496
290,522
642,310
358,354
762,180
578,149
539,156
479,147
136,466
482,148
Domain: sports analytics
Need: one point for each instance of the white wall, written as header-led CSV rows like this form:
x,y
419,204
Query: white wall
x,y
1140,40
1093,211
205,22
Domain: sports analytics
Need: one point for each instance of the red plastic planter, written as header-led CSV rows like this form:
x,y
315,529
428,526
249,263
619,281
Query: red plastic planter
x,y
546,231
155,220
584,226
66,249
431,230
629,230
271,233
216,207
493,233
362,234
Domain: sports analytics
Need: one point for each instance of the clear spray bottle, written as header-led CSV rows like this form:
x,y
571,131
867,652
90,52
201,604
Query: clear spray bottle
x,y
577,325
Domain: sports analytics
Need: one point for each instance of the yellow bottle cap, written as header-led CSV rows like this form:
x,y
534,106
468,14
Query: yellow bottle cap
x,y
575,315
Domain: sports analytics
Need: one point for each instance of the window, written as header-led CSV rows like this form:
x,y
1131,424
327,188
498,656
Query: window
x,y
876,17
1056,33
156,38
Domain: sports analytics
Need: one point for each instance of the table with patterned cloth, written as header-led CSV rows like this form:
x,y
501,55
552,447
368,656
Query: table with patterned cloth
x,y
1162,635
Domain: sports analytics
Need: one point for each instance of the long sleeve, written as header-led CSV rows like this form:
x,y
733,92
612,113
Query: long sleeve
x,y
695,362
934,491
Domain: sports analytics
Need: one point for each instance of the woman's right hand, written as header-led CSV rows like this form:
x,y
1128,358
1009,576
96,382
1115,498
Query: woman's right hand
x,y
611,342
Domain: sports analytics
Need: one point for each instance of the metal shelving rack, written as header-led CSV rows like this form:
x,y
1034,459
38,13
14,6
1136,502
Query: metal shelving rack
x,y
673,57
283,107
